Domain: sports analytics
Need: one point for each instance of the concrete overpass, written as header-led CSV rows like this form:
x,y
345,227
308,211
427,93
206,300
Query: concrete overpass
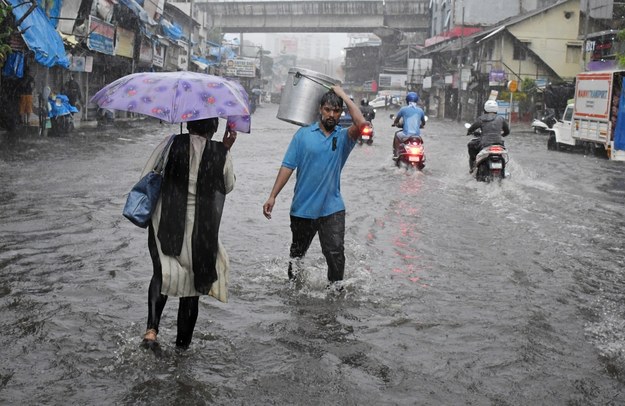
x,y
316,16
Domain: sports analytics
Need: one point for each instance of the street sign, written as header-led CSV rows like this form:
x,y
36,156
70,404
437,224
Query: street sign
x,y
513,86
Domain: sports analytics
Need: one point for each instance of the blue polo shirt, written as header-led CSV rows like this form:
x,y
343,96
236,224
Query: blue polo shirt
x,y
412,116
318,168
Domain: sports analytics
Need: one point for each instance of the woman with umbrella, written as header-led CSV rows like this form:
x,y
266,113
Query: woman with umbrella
x,y
187,257
183,234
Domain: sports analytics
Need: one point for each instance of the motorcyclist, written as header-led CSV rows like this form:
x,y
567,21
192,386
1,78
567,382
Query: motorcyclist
x,y
493,127
413,118
367,110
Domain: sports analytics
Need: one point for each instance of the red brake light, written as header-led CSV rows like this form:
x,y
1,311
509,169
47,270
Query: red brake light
x,y
367,130
414,150
496,148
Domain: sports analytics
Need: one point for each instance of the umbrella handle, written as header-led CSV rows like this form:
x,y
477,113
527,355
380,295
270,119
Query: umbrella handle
x,y
299,75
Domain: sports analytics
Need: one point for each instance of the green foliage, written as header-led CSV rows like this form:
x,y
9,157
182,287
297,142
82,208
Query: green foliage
x,y
525,96
621,38
5,30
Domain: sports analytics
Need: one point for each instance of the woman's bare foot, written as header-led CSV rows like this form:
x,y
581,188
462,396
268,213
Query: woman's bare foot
x,y
149,338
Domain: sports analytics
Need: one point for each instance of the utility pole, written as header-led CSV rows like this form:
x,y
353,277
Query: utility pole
x,y
460,66
586,18
190,47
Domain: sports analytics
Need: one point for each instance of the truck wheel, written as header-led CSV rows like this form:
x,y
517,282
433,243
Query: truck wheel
x,y
552,144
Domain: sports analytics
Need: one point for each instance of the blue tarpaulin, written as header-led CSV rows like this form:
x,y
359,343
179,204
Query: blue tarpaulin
x,y
14,65
171,31
40,35
619,130
139,11
52,10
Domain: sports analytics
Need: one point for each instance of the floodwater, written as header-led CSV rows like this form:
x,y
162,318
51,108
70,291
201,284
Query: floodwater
x,y
456,293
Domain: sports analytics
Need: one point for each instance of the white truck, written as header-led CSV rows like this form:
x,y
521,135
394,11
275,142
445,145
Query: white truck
x,y
589,120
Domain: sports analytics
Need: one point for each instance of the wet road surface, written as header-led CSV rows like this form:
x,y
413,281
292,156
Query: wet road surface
x,y
456,292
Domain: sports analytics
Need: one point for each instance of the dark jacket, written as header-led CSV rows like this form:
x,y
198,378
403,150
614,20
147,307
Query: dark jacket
x,y
368,112
493,127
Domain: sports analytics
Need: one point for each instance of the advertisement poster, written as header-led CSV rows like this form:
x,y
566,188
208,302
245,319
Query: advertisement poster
x,y
145,51
241,68
593,95
125,43
158,58
101,36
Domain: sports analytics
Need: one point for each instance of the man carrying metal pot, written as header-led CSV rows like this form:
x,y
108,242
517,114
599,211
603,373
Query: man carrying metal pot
x,y
318,152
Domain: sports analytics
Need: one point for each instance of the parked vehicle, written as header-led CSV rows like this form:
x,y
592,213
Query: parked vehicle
x,y
394,102
61,117
589,120
346,119
545,122
560,134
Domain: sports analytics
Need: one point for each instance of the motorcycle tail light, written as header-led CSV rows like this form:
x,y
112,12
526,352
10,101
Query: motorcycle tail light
x,y
496,148
367,130
414,150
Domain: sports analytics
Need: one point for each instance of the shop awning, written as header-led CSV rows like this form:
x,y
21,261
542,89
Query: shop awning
x,y
139,11
199,64
39,35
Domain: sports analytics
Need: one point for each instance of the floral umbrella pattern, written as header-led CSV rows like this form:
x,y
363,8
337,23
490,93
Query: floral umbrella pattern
x,y
178,97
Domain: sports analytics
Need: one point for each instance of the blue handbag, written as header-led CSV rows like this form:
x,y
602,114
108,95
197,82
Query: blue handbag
x,y
144,195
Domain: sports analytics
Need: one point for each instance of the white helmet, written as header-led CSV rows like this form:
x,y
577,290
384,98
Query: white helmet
x,y
491,106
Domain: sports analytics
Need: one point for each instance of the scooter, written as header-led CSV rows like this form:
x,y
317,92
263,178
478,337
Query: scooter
x,y
490,162
366,135
546,121
60,114
410,152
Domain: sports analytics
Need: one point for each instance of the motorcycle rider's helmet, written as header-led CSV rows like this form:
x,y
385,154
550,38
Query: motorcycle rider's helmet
x,y
491,106
363,102
412,97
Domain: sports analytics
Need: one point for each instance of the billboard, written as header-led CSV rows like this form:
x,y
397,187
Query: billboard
x,y
101,36
241,67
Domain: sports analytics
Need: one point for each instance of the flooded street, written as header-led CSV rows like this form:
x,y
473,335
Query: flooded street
x,y
456,292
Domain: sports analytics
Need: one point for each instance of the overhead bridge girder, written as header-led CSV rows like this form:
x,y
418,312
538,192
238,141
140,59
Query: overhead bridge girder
x,y
317,16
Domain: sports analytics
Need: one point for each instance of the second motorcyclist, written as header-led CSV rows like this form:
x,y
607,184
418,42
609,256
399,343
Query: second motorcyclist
x,y
413,118
493,127
367,111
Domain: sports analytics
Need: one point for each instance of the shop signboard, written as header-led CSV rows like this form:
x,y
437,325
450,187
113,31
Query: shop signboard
x,y
393,81
158,57
145,51
241,67
125,43
80,63
101,36
497,78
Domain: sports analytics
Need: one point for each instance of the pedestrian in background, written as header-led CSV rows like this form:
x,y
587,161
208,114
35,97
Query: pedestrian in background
x,y
71,89
25,89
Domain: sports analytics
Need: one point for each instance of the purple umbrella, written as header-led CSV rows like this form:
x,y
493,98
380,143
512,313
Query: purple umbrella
x,y
178,97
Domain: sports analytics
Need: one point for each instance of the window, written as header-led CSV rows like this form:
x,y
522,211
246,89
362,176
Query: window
x,y
520,52
573,53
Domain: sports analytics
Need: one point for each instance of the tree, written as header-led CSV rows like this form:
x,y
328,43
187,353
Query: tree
x,y
6,17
